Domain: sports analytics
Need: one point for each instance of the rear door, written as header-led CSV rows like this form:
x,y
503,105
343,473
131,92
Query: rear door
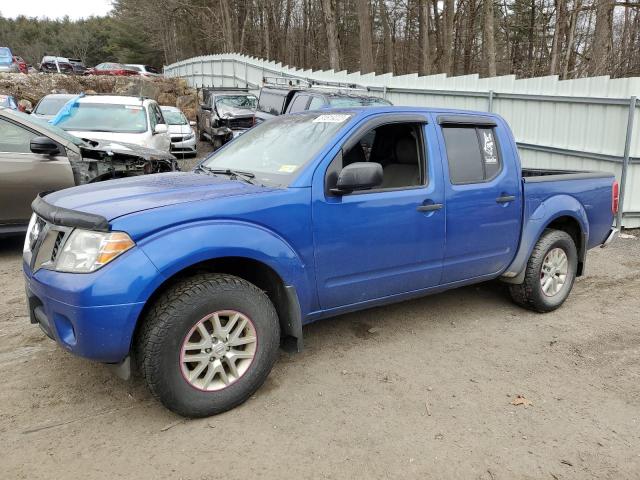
x,y
482,194
24,174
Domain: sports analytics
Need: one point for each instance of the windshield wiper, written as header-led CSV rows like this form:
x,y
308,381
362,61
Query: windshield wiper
x,y
235,174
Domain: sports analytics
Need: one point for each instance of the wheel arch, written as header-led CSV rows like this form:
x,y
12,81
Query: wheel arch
x,y
567,215
284,297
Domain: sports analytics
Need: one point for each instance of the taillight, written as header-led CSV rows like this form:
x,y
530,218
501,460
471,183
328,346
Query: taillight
x,y
615,197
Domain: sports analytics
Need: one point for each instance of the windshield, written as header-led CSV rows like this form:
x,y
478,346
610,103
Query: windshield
x,y
47,127
51,106
5,55
272,150
102,117
357,101
134,67
237,101
174,118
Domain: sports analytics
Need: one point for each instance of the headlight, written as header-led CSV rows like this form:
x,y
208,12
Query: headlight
x,y
86,251
32,234
189,137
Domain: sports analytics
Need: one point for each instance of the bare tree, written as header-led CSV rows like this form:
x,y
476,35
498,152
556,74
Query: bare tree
x,y
388,41
333,42
366,36
424,67
447,37
489,46
603,37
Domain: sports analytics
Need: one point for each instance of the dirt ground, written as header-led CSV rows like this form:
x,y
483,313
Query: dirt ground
x,y
420,389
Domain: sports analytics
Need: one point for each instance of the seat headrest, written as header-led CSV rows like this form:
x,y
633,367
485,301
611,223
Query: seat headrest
x,y
406,151
355,154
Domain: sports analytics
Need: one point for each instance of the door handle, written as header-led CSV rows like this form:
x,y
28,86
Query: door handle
x,y
506,198
430,207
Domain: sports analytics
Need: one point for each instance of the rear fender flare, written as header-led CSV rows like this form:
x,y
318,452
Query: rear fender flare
x,y
547,211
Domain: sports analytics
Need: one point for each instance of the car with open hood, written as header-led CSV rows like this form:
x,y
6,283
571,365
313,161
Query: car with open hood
x,y
38,157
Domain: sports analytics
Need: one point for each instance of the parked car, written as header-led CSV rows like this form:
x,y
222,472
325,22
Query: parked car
x,y
49,105
52,64
144,70
183,137
117,69
8,101
204,274
22,65
121,118
78,66
274,100
224,114
7,63
38,157
316,98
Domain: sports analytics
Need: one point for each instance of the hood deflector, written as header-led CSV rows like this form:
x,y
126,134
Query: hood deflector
x,y
68,218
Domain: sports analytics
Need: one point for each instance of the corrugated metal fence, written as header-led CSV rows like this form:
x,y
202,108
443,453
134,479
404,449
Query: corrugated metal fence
x,y
583,124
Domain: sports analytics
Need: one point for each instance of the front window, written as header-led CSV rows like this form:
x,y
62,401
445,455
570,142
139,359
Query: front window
x,y
101,117
271,151
247,102
174,117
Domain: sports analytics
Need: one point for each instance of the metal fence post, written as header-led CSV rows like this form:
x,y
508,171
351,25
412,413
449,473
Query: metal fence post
x,y
490,102
384,92
625,160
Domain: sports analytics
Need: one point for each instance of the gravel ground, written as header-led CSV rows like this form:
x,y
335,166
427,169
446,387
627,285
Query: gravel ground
x,y
420,389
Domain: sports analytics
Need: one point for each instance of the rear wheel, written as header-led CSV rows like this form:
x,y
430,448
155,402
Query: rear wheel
x,y
550,273
208,344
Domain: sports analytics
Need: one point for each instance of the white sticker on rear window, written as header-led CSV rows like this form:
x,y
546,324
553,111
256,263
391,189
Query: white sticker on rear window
x,y
332,118
489,148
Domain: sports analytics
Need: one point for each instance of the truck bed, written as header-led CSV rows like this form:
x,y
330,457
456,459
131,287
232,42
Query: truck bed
x,y
535,175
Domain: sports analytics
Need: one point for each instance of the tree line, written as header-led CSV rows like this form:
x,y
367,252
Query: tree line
x,y
569,38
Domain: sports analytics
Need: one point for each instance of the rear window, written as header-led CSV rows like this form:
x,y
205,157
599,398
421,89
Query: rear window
x,y
151,69
472,154
271,102
50,106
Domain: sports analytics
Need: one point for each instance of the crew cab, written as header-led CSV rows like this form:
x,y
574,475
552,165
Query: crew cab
x,y
200,276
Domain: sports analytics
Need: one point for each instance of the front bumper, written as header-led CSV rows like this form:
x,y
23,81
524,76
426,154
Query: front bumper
x,y
92,315
185,146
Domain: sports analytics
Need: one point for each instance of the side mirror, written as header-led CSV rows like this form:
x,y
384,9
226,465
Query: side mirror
x,y
192,123
161,128
44,146
358,176
204,106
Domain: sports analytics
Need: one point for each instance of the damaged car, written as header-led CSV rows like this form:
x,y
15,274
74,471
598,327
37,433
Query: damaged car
x,y
225,114
36,157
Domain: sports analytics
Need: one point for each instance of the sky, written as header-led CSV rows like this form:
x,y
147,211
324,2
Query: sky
x,y
75,9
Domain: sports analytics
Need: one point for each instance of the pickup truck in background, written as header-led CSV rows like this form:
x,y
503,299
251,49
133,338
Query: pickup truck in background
x,y
224,114
200,277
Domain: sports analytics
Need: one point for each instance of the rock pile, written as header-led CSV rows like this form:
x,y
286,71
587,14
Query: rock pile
x,y
166,91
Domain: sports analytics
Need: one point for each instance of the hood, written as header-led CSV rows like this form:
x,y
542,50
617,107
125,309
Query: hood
x,y
180,129
226,111
115,198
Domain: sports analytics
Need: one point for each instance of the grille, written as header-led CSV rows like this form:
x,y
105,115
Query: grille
x,y
177,139
246,122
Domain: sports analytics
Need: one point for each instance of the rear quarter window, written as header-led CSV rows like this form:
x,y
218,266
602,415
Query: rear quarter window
x,y
271,102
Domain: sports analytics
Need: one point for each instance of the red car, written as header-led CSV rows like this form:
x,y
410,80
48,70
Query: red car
x,y
22,65
111,69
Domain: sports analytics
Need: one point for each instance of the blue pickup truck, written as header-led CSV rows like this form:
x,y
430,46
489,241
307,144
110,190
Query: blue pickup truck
x,y
198,278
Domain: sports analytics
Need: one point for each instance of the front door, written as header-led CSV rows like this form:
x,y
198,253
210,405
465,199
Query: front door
x,y
387,241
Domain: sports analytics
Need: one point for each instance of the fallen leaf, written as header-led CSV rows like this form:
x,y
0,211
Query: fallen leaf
x,y
566,462
521,400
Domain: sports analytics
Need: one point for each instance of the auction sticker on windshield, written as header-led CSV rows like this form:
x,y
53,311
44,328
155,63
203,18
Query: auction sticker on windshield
x,y
332,118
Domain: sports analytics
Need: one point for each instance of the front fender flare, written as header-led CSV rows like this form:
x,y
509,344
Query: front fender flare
x,y
182,246
547,211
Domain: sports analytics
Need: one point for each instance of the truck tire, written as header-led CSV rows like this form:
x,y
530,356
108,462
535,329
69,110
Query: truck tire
x,y
208,344
551,271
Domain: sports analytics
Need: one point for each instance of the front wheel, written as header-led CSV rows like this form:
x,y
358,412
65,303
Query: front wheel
x,y
550,273
208,344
